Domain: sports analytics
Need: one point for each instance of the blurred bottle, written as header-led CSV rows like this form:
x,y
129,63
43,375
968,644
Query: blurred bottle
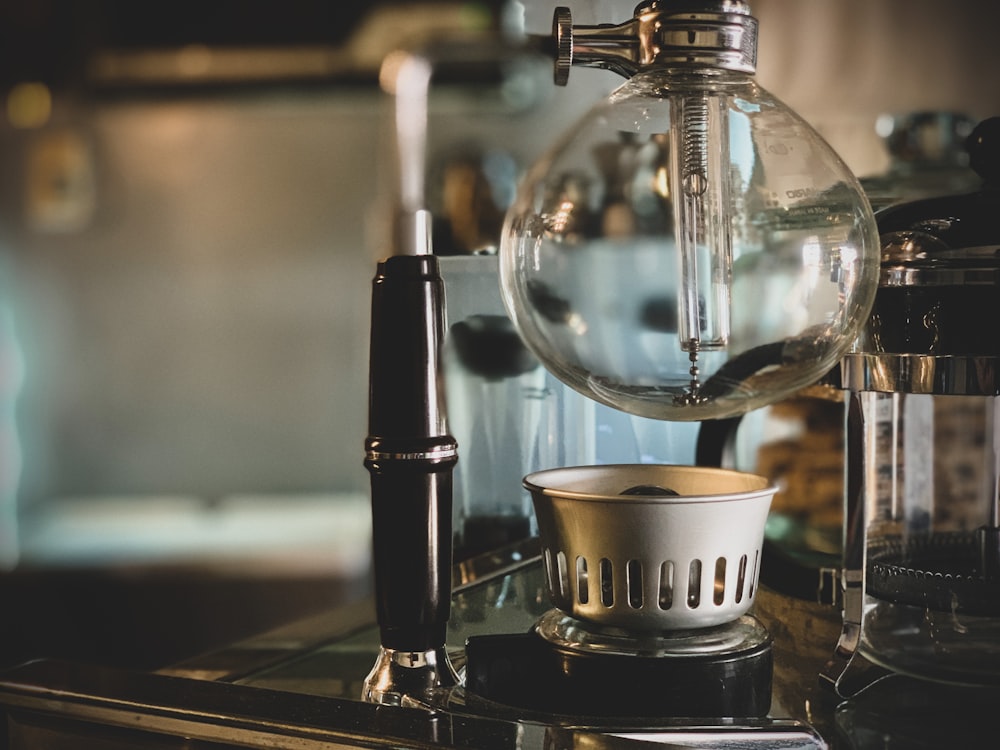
x,y
498,408
927,158
494,388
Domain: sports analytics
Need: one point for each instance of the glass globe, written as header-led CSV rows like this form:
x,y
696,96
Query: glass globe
x,y
691,249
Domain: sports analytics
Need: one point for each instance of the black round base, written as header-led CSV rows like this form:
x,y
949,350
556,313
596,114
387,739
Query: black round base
x,y
526,671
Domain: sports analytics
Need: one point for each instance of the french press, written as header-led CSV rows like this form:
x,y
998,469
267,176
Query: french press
x,y
921,579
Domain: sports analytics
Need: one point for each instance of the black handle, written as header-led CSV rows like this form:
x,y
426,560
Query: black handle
x,y
409,455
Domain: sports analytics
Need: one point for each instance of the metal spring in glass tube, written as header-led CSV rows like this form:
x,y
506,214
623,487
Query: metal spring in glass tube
x,y
701,229
695,145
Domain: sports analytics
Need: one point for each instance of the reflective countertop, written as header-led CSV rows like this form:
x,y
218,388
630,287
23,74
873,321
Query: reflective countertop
x,y
299,686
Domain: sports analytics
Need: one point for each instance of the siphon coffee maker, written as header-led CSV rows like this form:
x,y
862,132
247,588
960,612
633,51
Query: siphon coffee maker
x,y
690,249
722,259
921,578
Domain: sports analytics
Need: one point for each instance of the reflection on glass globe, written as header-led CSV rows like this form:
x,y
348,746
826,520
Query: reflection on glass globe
x,y
692,249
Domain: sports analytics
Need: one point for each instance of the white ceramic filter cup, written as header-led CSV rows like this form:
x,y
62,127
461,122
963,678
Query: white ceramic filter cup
x,y
650,561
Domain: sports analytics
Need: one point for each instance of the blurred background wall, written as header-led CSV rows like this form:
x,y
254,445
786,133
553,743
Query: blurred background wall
x,y
185,262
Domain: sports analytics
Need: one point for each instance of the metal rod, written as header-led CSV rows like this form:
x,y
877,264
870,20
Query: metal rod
x,y
407,76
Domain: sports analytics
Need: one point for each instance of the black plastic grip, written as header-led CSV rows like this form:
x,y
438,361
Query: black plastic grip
x,y
411,501
409,455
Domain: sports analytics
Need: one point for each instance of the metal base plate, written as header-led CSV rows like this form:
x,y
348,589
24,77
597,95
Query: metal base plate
x,y
527,671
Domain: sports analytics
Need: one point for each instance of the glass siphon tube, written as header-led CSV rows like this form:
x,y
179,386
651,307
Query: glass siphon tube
x,y
699,186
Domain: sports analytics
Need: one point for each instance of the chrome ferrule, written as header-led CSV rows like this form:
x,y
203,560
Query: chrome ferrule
x,y
398,674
